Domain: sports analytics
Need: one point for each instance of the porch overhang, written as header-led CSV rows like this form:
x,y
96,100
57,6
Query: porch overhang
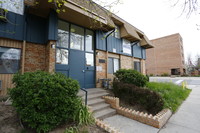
x,y
127,30
90,18
144,42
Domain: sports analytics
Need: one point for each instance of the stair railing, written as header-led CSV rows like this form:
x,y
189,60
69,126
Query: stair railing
x,y
86,95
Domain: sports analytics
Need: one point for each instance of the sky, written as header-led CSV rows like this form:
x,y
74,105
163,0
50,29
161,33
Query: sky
x,y
158,18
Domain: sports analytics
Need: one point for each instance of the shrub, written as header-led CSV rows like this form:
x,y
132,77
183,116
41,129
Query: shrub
x,y
172,95
132,94
164,75
131,77
44,100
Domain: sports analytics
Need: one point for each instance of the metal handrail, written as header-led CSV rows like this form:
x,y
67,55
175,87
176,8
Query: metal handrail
x,y
86,93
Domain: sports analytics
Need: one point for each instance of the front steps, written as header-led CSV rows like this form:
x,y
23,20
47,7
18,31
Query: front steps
x,y
100,109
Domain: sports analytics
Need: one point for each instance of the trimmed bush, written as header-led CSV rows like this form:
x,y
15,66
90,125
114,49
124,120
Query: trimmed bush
x,y
45,100
131,76
132,95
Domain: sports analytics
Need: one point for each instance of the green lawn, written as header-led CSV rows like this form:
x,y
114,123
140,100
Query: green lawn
x,y
173,95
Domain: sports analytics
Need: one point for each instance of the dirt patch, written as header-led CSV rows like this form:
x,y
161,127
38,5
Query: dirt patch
x,y
9,123
9,120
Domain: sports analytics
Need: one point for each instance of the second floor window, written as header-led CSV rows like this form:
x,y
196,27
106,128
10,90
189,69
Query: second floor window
x,y
117,32
126,47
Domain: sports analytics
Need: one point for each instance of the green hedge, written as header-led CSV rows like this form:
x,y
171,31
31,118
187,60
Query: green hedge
x,y
131,76
132,95
45,100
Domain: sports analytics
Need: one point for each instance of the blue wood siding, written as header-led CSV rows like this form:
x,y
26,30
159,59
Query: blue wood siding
x,y
143,53
100,40
114,44
52,26
137,51
36,29
14,28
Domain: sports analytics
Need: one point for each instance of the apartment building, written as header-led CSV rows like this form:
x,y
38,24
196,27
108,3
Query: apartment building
x,y
73,42
167,56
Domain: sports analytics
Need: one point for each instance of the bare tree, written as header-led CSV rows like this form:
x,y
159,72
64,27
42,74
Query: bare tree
x,y
188,6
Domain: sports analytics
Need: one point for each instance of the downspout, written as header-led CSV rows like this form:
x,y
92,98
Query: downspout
x,y
107,51
24,40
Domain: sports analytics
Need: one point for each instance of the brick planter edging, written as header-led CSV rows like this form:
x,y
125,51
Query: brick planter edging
x,y
157,120
106,126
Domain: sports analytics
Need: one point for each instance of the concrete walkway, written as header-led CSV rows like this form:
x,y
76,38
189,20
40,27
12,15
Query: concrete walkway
x,y
187,118
126,125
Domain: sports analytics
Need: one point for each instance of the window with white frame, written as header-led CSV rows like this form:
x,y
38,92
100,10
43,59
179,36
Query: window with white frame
x,y
9,60
113,65
117,32
126,46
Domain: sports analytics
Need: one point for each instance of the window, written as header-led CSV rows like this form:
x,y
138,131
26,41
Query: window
x,y
113,65
89,59
63,34
16,6
89,41
126,47
137,66
62,56
77,37
117,32
9,60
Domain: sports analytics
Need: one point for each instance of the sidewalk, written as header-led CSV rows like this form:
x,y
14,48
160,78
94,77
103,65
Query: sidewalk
x,y
187,118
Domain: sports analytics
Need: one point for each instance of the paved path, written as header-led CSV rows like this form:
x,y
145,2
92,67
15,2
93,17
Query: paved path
x,y
187,118
126,125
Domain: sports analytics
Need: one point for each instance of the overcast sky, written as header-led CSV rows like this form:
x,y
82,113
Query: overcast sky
x,y
157,18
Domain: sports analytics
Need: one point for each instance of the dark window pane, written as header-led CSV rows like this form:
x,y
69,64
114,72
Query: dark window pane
x,y
61,56
110,65
89,59
89,41
77,37
63,34
9,60
137,66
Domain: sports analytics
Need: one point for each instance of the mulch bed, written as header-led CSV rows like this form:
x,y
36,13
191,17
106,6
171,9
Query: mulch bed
x,y
9,122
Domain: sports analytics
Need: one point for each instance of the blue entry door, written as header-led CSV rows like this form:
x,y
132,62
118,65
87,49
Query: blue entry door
x,y
77,66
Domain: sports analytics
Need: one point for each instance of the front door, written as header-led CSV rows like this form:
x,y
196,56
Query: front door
x,y
76,69
75,53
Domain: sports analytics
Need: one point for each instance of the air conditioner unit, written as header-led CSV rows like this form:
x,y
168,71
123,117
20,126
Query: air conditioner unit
x,y
3,15
1,85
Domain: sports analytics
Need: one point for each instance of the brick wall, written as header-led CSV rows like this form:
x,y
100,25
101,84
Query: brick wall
x,y
50,57
126,62
35,57
167,54
101,73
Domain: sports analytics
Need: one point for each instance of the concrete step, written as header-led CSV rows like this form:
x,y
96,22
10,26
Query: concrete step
x,y
100,107
95,101
105,113
91,91
93,96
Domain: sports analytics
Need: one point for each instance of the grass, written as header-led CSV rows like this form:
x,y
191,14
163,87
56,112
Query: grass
x,y
173,95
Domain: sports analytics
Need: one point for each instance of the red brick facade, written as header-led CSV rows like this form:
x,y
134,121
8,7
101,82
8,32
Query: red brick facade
x,y
166,55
